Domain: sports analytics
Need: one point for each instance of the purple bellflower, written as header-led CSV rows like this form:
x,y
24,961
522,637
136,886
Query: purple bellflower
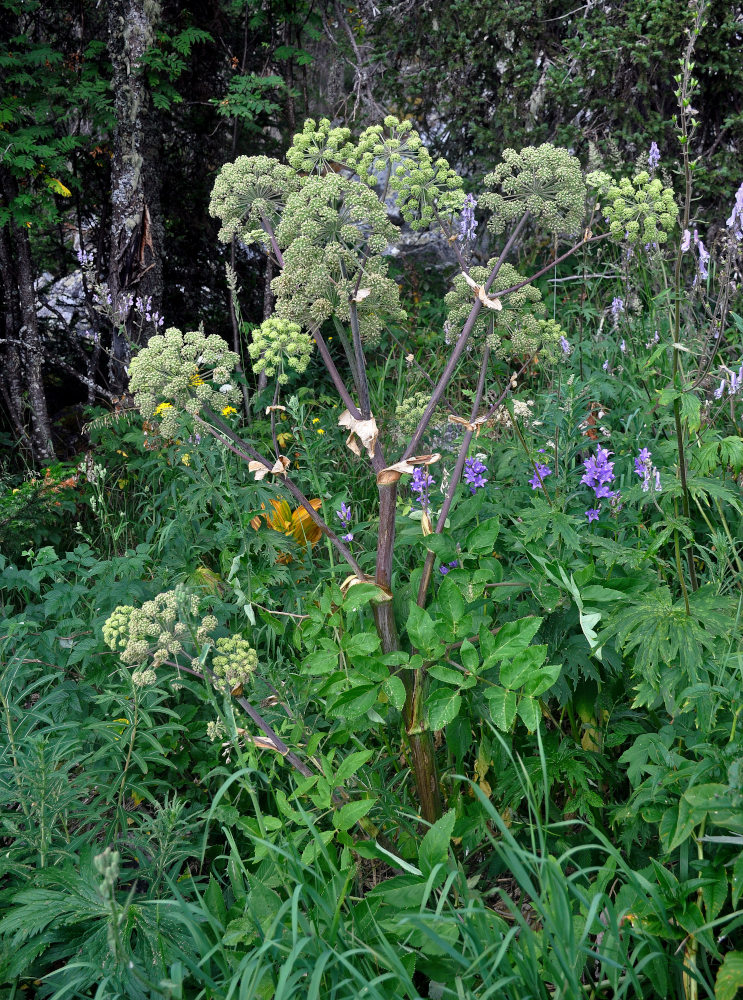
x,y
542,472
473,474
421,486
645,468
444,568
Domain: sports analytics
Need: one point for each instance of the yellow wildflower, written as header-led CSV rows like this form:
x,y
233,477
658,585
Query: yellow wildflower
x,y
315,420
162,408
295,524
196,380
228,411
186,458
320,430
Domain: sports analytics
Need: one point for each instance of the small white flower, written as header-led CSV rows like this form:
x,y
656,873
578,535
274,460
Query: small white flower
x,y
226,388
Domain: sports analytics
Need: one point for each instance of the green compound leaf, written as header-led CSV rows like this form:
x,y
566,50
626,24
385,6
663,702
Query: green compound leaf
x,y
729,976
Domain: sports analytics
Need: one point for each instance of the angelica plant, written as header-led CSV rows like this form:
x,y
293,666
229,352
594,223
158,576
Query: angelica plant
x,y
323,217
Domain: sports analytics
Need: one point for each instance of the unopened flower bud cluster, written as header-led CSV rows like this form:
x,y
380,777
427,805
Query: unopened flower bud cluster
x,y
640,210
408,413
182,372
278,343
249,191
518,328
320,147
545,181
155,632
234,662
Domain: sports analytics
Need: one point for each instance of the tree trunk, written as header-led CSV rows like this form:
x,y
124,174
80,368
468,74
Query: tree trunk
x,y
11,385
135,265
25,379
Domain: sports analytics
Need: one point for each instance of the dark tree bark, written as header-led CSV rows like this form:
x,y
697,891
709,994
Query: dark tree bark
x,y
24,351
135,266
11,385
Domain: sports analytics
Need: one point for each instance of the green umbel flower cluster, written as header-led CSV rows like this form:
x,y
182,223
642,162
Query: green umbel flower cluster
x,y
424,187
278,342
334,210
312,288
246,192
320,147
518,327
332,229
180,372
408,413
154,632
550,334
543,180
640,210
234,662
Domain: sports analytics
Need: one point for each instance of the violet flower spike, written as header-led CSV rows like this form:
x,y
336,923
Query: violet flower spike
x,y
565,346
647,471
735,222
617,307
344,515
599,474
653,156
467,222
473,474
421,486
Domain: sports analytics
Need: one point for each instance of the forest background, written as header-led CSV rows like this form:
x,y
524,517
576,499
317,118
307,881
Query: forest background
x,y
116,117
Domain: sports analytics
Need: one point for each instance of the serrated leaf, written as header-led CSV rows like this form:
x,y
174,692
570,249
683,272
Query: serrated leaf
x,y
710,796
420,628
442,706
529,712
361,644
512,638
350,765
349,814
729,976
446,674
523,666
542,680
502,707
481,540
394,688
450,601
434,849
322,662
469,656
